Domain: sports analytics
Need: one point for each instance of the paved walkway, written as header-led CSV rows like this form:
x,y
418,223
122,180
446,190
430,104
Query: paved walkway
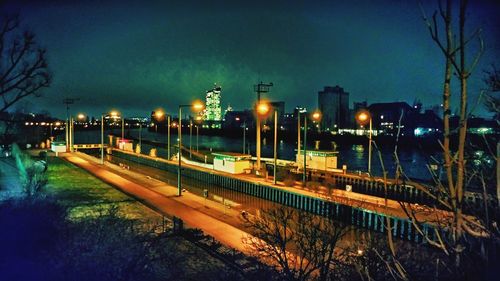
x,y
161,197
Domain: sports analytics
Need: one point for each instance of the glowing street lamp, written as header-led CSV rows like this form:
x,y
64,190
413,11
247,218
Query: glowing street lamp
x,y
198,119
196,106
71,129
159,114
114,115
262,109
316,116
364,117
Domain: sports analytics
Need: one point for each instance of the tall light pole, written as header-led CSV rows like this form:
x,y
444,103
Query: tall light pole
x,y
316,116
168,137
244,135
140,134
197,106
123,128
71,133
190,137
102,139
244,132
159,115
298,134
259,89
198,120
262,110
275,144
364,117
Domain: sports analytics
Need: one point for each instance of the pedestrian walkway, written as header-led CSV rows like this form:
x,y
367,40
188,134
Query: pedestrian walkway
x,y
162,197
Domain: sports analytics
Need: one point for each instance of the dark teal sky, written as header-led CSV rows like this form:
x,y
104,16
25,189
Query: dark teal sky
x,y
135,57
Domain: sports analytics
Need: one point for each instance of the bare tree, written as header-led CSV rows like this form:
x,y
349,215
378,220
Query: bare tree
x,y
454,233
492,98
23,63
301,245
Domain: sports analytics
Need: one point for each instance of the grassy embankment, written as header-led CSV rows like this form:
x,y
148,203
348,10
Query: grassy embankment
x,y
86,196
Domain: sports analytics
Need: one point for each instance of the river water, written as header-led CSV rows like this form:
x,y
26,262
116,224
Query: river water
x,y
414,161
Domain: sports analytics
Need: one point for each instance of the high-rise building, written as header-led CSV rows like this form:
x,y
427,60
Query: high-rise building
x,y
213,108
280,107
333,102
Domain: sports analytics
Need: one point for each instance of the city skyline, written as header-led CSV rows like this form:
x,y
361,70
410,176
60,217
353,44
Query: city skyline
x,y
134,57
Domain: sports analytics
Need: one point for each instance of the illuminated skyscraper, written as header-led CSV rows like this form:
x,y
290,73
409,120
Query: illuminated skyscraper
x,y
213,109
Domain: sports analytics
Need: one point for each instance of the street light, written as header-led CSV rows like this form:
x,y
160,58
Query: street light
x,y
71,132
262,109
316,116
244,132
363,117
190,137
114,115
159,114
198,119
196,106
275,143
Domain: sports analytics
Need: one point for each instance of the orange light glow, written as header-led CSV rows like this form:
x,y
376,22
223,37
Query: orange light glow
x,y
263,108
316,115
363,117
198,105
159,114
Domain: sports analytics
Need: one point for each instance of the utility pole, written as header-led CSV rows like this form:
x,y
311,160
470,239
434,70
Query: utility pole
x,y
67,102
259,89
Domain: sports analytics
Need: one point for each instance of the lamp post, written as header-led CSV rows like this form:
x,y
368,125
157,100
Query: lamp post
x,y
244,132
71,134
363,117
316,116
102,139
168,137
114,115
190,137
123,128
140,134
260,89
298,135
198,120
262,109
159,114
275,143
197,106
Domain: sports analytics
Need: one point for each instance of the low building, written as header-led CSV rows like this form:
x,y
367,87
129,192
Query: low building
x,y
230,162
318,160
58,146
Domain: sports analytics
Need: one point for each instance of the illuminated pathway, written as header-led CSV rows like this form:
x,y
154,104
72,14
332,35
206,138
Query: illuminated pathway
x,y
168,205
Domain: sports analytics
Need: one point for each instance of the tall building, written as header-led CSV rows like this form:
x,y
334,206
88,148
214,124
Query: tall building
x,y
213,108
280,107
333,102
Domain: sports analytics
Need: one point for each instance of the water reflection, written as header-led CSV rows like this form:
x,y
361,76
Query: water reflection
x,y
413,160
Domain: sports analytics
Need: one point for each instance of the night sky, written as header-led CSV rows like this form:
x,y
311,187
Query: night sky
x,y
135,57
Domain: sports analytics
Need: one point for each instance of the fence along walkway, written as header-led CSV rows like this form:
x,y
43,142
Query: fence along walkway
x,y
357,216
